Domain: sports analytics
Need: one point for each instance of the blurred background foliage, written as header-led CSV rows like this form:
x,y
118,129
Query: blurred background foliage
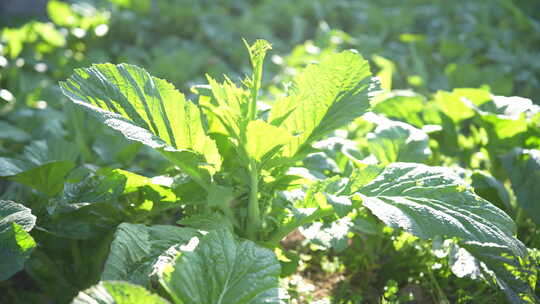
x,y
417,44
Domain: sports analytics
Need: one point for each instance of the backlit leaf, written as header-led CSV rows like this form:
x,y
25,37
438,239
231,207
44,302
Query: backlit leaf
x,y
146,109
323,97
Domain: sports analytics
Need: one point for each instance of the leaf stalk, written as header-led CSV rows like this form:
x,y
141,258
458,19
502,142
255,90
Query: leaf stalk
x,y
254,216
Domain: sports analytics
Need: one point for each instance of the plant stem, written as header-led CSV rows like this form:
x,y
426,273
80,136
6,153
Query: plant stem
x,y
254,217
253,104
441,296
257,76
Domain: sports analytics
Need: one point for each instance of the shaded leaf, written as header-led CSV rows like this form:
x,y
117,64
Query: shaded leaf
x,y
223,270
16,244
13,133
490,189
206,222
136,248
433,201
48,178
11,212
523,168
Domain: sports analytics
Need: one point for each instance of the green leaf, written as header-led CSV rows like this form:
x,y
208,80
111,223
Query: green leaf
x,y
490,189
16,213
41,152
504,132
141,6
152,197
453,106
227,109
219,196
523,168
394,141
505,119
516,276
364,175
321,162
88,221
16,244
405,106
116,292
68,15
44,34
223,270
257,52
263,138
429,201
512,106
386,69
329,235
11,166
323,97
13,133
110,148
87,209
146,109
92,189
433,201
16,247
328,197
136,249
206,222
478,97
45,167
61,13
48,178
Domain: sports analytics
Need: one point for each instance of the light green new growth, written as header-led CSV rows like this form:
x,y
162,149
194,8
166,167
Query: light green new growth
x,y
257,52
324,97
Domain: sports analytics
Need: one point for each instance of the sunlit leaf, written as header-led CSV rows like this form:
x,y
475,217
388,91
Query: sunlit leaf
x,y
117,292
323,97
146,109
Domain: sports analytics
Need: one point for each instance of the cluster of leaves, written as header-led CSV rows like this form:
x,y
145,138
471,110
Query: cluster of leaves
x,y
240,193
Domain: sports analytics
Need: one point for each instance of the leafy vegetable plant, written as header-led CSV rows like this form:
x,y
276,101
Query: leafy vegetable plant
x,y
244,187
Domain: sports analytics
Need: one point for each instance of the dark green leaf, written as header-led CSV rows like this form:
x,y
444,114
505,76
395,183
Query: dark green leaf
x,y
223,270
523,167
434,202
136,248
16,213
